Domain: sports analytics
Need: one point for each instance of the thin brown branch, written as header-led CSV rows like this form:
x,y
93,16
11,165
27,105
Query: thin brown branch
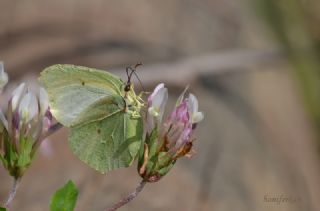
x,y
128,198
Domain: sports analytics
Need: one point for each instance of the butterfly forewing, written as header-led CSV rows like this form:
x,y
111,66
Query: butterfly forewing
x,y
73,90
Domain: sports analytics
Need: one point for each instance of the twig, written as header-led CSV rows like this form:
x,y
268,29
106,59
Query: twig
x,y
128,198
13,192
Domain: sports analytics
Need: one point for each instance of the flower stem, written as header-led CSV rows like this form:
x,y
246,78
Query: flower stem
x,y
13,192
128,198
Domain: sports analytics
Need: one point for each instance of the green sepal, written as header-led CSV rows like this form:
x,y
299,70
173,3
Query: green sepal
x,y
16,161
160,161
151,141
163,161
152,162
163,171
25,158
153,144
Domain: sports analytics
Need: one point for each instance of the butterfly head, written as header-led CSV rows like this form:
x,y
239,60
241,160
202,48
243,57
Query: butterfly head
x,y
133,102
130,71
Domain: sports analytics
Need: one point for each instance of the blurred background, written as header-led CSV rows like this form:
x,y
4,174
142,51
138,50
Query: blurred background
x,y
254,65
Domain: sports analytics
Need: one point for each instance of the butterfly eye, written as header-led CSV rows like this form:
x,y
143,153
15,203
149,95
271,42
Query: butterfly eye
x,y
127,87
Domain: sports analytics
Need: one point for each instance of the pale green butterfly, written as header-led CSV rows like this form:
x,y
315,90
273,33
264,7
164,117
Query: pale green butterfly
x,y
102,111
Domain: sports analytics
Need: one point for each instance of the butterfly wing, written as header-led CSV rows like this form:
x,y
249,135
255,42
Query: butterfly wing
x,y
109,143
79,94
91,103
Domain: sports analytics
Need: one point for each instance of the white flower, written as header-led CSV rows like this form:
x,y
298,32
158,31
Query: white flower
x,y
28,107
3,76
195,115
17,95
157,101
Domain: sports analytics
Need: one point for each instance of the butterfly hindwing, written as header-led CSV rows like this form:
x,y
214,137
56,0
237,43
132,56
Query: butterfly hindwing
x,y
109,143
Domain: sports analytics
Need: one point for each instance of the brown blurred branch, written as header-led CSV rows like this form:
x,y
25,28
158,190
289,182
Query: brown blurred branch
x,y
186,70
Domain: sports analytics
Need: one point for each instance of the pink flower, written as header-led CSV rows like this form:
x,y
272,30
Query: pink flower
x,y
29,111
169,140
181,124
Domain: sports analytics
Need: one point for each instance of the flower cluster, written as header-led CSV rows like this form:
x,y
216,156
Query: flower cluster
x,y
169,140
22,128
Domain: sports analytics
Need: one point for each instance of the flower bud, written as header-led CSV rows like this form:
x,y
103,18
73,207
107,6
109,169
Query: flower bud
x,y
171,139
156,105
28,107
27,119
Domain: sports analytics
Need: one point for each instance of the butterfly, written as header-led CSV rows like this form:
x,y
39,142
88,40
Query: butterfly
x,y
102,112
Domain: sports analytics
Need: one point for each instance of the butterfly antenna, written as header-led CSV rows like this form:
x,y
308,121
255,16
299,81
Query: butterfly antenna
x,y
128,74
139,81
137,65
135,73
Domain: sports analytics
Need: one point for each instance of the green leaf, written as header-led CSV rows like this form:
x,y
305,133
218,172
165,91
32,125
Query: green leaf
x,y
111,143
2,209
65,198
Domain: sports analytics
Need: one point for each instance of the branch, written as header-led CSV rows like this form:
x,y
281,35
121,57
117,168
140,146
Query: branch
x,y
13,192
128,198
188,69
